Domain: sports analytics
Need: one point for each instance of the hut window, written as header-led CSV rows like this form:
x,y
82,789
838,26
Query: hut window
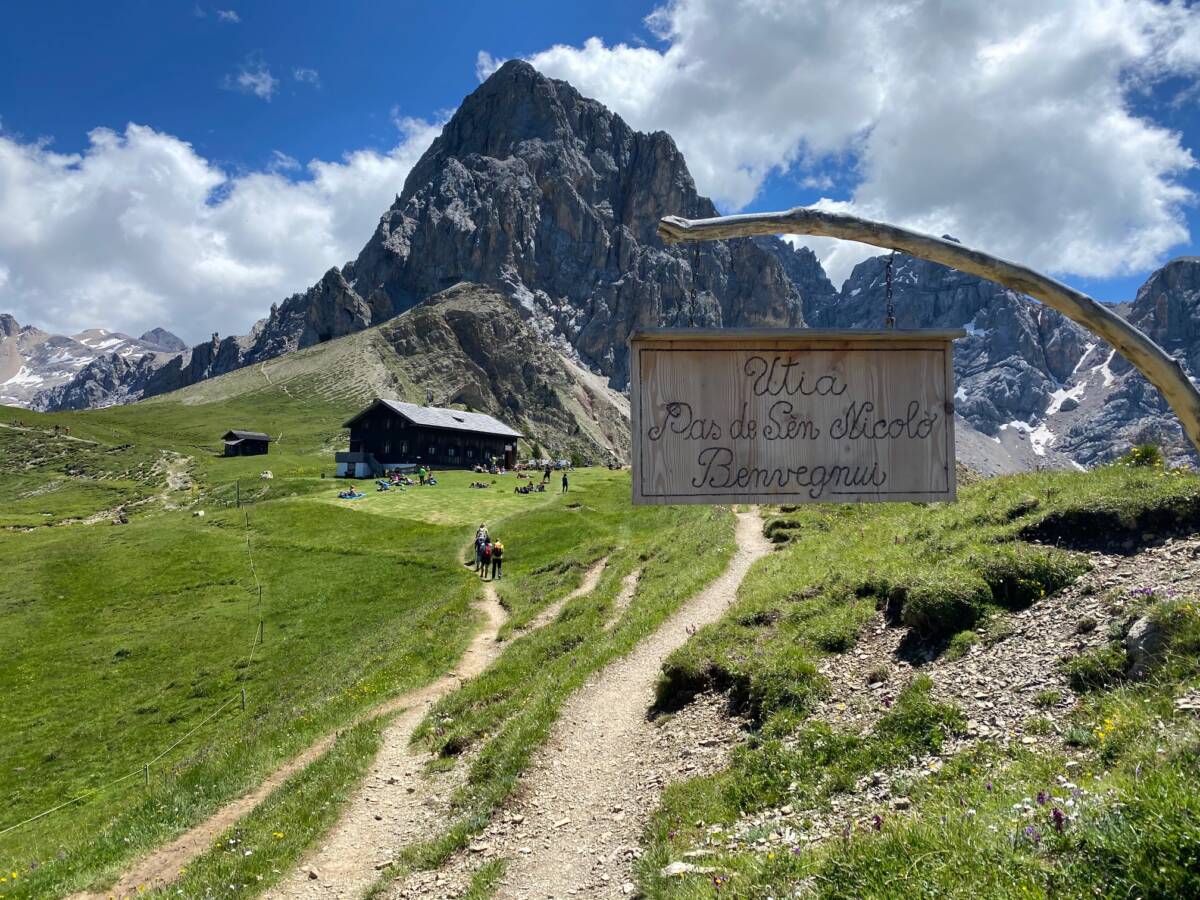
x,y
470,453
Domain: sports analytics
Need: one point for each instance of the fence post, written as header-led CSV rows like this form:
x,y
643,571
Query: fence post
x,y
243,699
262,630
146,772
238,487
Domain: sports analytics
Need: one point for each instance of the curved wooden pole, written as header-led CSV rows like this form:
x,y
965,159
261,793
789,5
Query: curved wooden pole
x,y
1164,372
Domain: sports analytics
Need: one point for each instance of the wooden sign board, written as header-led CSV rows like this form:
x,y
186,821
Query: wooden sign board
x,y
813,416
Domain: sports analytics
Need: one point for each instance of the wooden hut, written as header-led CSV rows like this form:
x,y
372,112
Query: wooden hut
x,y
245,443
389,433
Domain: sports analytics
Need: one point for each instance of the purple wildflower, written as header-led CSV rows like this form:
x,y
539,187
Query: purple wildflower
x,y
989,787
1033,834
1060,821
877,822
1041,798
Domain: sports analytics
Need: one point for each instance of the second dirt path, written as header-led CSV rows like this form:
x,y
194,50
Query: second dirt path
x,y
588,795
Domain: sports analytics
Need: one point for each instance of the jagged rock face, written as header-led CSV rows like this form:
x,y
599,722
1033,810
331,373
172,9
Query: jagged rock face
x,y
817,293
1015,354
1167,308
552,198
34,362
107,381
473,348
163,340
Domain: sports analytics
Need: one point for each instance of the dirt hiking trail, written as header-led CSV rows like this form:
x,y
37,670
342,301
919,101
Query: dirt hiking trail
x,y
162,865
591,578
574,825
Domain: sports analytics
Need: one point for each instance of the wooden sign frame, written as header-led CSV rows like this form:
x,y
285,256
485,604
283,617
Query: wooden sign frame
x,y
658,479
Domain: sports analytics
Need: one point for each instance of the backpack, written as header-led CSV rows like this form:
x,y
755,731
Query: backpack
x,y
497,551
487,552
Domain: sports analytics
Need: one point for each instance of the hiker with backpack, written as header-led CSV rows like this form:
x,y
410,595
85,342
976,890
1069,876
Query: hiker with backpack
x,y
497,561
481,537
485,557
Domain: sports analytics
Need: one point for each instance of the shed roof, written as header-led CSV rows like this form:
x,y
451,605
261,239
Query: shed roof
x,y
450,419
233,435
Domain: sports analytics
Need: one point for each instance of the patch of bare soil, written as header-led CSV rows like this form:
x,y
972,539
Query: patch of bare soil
x,y
1008,685
574,824
621,603
162,866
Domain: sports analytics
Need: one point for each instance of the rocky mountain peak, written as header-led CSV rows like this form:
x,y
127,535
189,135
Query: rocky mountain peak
x,y
8,325
1167,308
163,340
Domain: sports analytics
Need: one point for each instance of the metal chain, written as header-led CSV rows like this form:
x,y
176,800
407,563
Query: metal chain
x,y
692,295
890,312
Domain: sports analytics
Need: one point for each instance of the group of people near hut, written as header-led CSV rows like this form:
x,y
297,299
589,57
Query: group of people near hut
x,y
489,554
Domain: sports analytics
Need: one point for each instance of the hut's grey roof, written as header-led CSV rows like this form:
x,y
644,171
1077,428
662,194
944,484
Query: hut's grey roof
x,y
233,436
450,419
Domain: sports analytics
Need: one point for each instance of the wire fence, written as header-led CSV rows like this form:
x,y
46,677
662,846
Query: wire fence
x,y
144,769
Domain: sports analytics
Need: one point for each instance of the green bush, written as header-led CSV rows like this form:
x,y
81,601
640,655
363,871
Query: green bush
x,y
940,606
1147,455
1099,667
1020,576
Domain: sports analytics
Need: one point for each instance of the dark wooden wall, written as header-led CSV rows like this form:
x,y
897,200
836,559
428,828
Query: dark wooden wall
x,y
391,439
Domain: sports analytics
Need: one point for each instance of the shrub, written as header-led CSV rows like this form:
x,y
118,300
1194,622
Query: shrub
x,y
785,679
1020,576
941,606
1099,667
1143,455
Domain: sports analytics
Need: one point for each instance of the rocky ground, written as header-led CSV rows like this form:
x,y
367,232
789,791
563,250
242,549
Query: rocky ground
x,y
1008,685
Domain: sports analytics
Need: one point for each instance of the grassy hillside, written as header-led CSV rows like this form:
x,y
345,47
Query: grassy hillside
x,y
1098,800
132,642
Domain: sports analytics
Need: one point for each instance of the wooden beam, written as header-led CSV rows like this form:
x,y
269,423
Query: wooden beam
x,y
1160,369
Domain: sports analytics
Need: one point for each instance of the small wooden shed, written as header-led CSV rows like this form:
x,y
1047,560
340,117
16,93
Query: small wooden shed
x,y
246,443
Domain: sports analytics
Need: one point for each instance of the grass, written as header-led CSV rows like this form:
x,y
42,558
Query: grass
x,y
257,852
984,824
132,636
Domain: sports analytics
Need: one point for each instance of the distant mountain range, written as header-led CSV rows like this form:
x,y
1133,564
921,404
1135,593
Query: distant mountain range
x,y
35,364
550,199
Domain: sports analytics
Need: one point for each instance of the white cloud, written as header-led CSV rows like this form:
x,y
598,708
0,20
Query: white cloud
x,y
1007,124
486,64
228,15
254,77
307,76
140,230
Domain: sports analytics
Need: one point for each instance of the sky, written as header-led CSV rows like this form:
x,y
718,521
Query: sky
x,y
185,164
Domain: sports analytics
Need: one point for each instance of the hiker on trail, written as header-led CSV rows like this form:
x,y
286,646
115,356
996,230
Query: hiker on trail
x,y
546,474
486,557
497,561
564,490
481,536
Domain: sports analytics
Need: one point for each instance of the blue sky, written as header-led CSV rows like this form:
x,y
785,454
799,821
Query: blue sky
x,y
772,110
